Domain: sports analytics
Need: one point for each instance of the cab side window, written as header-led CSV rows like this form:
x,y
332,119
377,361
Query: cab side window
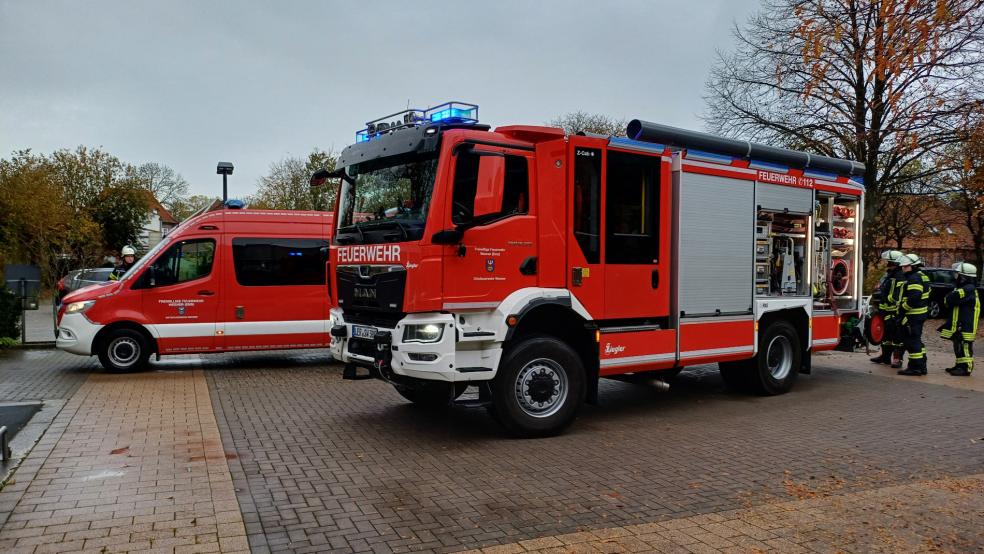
x,y
632,209
184,261
514,195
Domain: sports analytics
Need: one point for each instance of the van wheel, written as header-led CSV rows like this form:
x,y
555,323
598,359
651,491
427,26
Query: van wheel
x,y
539,387
934,309
124,350
432,394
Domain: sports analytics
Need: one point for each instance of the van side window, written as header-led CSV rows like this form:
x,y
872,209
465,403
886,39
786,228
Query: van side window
x,y
184,261
515,193
270,262
632,209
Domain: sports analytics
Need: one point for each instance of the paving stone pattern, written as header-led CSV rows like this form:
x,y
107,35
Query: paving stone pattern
x,y
935,516
132,462
326,464
42,374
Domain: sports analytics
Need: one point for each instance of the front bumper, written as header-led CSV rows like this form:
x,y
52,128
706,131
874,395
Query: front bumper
x,y
444,360
76,334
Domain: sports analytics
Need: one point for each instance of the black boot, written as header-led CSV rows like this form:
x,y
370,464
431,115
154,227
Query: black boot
x,y
911,371
884,358
960,371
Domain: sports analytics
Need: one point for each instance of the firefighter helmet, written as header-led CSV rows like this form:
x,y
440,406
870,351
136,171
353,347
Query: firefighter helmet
x,y
916,260
907,260
965,269
891,256
128,251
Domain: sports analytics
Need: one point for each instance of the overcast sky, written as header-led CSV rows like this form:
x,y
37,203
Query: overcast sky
x,y
191,83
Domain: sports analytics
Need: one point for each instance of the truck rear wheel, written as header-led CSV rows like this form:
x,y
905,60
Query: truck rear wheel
x,y
124,350
776,366
539,387
432,394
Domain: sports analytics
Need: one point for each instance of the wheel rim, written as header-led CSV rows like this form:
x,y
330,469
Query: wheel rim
x,y
541,388
123,351
779,357
934,310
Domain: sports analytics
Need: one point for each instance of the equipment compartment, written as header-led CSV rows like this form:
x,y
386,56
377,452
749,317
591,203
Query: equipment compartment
x,y
780,254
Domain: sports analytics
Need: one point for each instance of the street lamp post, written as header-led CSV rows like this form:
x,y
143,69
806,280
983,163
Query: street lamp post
x,y
224,169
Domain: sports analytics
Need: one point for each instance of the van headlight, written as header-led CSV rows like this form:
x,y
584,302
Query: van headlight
x,y
79,307
431,332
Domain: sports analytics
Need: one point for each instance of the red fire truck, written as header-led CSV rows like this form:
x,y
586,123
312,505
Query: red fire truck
x,y
532,263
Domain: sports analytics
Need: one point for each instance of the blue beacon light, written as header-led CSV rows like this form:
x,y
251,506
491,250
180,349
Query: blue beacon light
x,y
449,112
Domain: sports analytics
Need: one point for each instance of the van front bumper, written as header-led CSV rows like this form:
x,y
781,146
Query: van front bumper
x,y
395,354
76,334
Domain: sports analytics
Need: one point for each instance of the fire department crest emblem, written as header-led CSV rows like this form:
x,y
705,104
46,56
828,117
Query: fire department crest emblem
x,y
181,310
490,265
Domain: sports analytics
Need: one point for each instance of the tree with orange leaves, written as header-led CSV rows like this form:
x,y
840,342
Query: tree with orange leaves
x,y
890,83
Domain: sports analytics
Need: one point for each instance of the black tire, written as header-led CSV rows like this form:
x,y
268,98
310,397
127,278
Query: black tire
x,y
775,369
124,350
432,394
934,309
539,387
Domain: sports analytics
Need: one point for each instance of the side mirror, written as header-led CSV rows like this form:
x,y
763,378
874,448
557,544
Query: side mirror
x,y
447,236
488,190
321,176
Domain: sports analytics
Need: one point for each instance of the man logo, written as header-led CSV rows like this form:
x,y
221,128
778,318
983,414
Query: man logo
x,y
364,293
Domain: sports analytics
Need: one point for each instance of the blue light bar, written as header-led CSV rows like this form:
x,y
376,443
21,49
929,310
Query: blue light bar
x,y
452,112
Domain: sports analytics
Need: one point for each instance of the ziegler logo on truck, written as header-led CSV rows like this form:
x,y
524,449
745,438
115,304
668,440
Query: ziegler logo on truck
x,y
368,253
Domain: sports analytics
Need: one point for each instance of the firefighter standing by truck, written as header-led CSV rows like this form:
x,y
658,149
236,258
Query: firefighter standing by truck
x,y
964,307
888,305
913,311
129,256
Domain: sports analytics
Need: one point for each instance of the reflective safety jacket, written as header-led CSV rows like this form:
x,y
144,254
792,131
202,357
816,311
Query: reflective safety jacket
x,y
963,312
915,300
889,292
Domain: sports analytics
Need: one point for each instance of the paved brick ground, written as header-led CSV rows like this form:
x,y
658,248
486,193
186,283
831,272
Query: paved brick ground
x,y
132,462
42,374
349,466
933,516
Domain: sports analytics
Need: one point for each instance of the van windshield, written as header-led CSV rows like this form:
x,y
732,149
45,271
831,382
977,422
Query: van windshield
x,y
150,255
386,200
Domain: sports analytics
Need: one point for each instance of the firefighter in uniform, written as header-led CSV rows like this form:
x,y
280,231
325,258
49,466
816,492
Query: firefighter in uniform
x,y
913,311
129,259
888,305
964,307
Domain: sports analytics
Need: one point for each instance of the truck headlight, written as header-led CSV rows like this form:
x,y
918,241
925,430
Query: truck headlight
x,y
430,332
79,307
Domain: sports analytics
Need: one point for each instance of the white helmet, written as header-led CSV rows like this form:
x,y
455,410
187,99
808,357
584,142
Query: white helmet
x,y
907,260
128,251
965,269
891,256
916,260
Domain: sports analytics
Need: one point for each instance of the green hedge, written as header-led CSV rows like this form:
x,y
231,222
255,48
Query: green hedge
x,y
9,314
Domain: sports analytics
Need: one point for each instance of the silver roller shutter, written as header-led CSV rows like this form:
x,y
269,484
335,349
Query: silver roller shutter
x,y
781,198
717,225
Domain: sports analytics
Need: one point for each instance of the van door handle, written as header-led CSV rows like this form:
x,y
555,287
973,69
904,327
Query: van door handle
x,y
655,278
205,293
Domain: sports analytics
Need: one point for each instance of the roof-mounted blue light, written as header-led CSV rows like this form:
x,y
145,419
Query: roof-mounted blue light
x,y
451,113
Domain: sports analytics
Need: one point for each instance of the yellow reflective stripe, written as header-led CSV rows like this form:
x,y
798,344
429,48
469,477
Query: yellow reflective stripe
x,y
914,286
961,292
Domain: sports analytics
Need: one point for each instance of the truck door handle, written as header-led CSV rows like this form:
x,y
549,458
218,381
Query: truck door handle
x,y
655,278
205,293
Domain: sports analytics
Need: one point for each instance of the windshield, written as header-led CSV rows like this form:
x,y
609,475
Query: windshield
x,y
386,201
146,258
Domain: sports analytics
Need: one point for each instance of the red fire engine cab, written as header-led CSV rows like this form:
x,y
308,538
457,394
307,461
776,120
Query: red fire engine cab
x,y
532,263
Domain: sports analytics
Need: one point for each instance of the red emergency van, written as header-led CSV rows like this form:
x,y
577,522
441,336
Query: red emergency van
x,y
226,280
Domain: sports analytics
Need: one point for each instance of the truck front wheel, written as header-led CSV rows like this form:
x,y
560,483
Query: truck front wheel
x,y
539,387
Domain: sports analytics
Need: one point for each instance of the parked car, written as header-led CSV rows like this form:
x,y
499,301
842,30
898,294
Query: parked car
x,y
81,278
226,280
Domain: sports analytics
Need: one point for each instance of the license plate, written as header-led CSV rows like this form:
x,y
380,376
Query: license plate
x,y
360,332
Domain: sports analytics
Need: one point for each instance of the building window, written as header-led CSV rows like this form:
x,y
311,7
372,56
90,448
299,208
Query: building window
x,y
268,262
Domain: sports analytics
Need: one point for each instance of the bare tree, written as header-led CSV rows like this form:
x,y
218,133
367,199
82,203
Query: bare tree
x,y
577,122
964,185
287,185
886,83
167,185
